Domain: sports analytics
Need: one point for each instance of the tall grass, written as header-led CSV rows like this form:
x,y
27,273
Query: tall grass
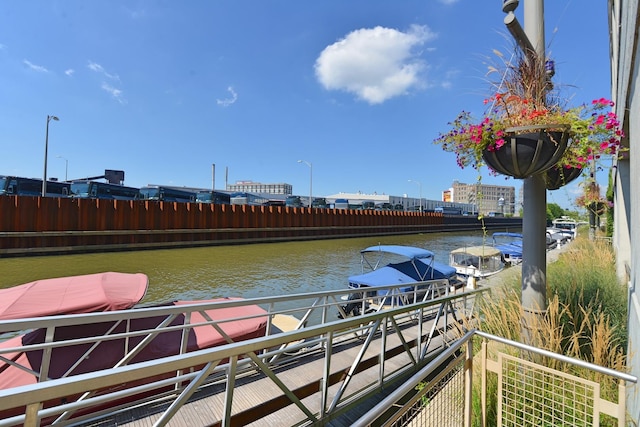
x,y
585,318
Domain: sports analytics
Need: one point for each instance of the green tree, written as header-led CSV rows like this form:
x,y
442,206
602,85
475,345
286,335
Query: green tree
x,y
554,211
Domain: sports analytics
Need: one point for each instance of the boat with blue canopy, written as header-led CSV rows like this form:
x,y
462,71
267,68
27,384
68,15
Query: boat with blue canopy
x,y
391,265
510,244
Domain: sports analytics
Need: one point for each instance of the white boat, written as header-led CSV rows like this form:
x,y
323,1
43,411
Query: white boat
x,y
561,235
476,261
567,225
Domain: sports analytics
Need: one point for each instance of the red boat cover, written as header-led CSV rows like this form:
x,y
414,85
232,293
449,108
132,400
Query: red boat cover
x,y
109,352
75,294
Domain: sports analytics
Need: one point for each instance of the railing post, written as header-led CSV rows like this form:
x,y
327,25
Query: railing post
x,y
622,403
483,381
468,382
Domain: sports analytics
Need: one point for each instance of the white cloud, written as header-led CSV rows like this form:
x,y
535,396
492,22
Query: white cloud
x,y
35,67
375,64
69,72
115,92
99,69
228,101
449,76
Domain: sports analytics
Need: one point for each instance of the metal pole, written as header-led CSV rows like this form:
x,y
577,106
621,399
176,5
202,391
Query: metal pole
x,y
419,191
46,148
66,167
310,178
310,183
592,207
534,255
213,177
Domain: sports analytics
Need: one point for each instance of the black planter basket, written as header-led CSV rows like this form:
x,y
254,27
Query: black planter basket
x,y
598,208
528,150
558,176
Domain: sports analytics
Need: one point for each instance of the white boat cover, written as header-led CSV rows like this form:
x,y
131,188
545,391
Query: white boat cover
x,y
479,251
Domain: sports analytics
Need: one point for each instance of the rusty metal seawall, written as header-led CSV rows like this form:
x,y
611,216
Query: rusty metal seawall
x,y
38,226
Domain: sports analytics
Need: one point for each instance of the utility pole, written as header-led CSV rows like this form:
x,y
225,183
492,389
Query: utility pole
x,y
46,148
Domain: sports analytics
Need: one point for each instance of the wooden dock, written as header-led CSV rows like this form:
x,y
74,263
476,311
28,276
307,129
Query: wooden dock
x,y
259,401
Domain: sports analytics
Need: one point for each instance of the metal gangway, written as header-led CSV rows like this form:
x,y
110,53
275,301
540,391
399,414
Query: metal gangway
x,y
314,365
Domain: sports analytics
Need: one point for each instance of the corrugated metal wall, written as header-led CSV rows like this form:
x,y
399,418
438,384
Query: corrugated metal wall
x,y
50,225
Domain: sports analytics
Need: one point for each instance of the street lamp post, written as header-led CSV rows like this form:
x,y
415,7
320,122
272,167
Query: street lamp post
x,y
534,260
46,147
66,167
310,178
420,190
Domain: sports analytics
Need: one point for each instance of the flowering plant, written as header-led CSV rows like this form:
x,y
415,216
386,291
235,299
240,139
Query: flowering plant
x,y
591,198
524,98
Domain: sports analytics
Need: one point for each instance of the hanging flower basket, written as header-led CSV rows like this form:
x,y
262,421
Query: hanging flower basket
x,y
528,150
559,176
513,136
598,208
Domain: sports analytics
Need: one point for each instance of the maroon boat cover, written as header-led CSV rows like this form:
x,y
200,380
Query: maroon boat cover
x,y
238,323
75,294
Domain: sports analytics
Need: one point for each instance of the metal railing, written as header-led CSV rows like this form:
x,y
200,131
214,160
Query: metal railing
x,y
408,326
527,393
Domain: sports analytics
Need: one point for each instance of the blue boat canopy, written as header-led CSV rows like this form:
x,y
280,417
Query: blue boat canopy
x,y
384,276
412,271
511,250
507,234
407,251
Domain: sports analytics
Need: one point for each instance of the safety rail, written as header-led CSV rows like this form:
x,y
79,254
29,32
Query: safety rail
x,y
527,393
414,327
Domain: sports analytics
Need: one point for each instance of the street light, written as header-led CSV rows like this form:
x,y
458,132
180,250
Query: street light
x,y
66,166
46,147
310,178
420,189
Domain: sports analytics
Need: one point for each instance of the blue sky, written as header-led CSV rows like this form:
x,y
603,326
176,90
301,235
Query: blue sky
x,y
359,88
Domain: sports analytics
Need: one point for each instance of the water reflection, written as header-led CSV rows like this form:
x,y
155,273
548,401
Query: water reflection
x,y
243,270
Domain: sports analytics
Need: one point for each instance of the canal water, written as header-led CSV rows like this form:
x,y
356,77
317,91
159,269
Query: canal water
x,y
248,271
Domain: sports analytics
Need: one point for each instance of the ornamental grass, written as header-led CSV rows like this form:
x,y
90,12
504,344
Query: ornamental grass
x,y
585,319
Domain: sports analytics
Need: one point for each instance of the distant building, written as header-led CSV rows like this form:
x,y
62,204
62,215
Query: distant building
x,y
259,188
486,198
403,202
